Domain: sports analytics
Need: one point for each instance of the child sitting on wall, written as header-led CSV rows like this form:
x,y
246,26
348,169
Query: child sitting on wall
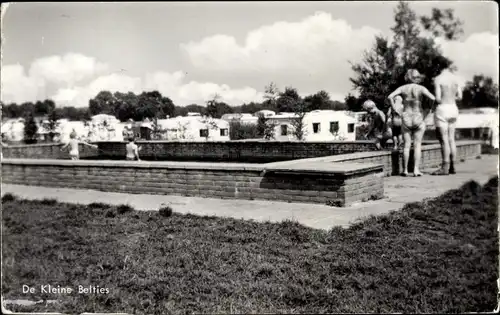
x,y
132,150
378,129
73,143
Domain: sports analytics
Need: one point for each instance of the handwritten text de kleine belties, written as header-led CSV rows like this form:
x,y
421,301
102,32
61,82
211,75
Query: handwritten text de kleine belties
x,y
47,288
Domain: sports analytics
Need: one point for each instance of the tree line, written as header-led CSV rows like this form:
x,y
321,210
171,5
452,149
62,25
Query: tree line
x,y
380,71
153,104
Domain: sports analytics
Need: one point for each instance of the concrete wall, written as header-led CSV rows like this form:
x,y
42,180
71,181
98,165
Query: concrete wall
x,y
393,161
322,183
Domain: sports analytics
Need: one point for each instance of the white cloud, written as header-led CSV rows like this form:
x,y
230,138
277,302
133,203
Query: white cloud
x,y
477,54
66,72
171,85
67,69
17,86
317,44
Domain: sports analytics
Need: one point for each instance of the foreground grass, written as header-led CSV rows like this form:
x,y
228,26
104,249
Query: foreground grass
x,y
437,256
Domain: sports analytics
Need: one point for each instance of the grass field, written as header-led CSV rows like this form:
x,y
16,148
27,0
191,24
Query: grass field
x,y
440,255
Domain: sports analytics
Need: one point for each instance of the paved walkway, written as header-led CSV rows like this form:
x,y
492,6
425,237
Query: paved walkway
x,y
398,191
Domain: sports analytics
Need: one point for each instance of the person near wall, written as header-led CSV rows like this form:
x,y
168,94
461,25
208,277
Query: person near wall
x,y
448,89
378,129
128,131
73,143
132,150
395,121
413,117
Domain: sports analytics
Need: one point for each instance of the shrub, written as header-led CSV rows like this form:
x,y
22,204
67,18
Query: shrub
x,y
166,211
121,209
239,131
8,197
98,205
48,202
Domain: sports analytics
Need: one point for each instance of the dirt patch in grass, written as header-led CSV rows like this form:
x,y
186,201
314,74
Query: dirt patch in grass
x,y
440,255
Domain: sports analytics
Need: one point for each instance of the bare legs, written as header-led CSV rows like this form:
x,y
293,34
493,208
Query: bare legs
x,y
453,146
417,148
448,148
406,150
418,135
397,141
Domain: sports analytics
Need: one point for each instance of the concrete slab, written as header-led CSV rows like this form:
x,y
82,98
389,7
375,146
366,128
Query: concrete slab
x,y
398,191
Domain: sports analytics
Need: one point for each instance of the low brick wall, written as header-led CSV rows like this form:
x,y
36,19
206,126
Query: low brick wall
x,y
313,183
393,160
45,151
234,151
256,151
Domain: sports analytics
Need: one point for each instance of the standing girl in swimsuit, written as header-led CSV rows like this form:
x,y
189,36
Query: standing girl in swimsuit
x,y
413,118
73,143
448,89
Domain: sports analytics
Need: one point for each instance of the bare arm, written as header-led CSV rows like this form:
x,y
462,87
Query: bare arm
x,y
393,94
136,152
459,92
428,94
437,89
389,112
88,144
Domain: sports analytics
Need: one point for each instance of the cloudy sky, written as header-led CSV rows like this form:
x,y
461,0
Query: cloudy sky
x,y
189,51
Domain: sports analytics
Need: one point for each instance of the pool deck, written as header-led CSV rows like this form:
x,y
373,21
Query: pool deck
x,y
398,192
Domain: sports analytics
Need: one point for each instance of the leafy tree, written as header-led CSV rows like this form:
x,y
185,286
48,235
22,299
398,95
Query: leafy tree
x,y
30,129
73,113
288,100
353,103
11,111
167,107
271,95
299,129
102,103
383,67
320,100
125,105
44,108
52,125
216,109
480,92
265,128
148,105
442,23
27,109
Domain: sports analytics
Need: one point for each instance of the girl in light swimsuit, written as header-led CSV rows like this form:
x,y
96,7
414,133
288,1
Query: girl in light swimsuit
x,y
73,144
132,150
413,118
448,89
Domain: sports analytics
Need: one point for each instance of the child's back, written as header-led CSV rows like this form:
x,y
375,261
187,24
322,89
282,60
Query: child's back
x,y
131,150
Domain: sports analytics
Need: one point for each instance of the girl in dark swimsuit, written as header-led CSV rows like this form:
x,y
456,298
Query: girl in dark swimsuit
x,y
413,118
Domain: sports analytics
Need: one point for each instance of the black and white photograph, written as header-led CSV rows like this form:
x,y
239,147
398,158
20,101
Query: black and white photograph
x,y
250,157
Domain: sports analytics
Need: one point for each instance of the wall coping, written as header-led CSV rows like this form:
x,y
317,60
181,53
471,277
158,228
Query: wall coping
x,y
324,169
35,145
242,141
362,155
